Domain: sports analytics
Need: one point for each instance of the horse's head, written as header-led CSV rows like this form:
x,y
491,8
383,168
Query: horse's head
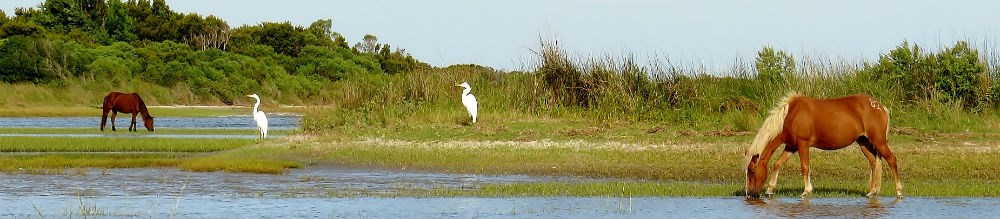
x,y
756,175
148,122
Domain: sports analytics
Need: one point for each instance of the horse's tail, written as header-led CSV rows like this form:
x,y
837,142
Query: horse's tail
x,y
888,120
773,125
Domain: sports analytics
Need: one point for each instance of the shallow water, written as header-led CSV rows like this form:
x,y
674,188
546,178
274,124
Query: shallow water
x,y
159,193
138,135
470,207
275,122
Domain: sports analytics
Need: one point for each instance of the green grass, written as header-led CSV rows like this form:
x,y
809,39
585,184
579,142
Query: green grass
x,y
120,150
249,160
60,162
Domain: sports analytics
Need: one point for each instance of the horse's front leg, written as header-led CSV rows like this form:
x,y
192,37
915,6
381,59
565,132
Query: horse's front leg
x,y
804,160
777,168
132,127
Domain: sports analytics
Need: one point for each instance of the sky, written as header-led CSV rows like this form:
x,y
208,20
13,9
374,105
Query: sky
x,y
502,34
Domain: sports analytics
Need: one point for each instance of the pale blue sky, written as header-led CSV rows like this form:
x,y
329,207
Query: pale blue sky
x,y
715,33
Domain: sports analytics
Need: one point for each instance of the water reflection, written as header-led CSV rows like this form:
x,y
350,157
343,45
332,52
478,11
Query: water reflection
x,y
806,208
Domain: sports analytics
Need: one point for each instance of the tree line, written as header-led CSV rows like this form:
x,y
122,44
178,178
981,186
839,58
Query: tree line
x,y
145,40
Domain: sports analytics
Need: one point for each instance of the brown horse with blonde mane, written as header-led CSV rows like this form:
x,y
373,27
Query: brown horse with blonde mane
x,y
801,122
125,103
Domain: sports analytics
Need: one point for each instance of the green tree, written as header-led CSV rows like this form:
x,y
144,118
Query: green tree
x,y
120,25
368,45
323,30
3,18
283,37
65,15
958,73
906,70
213,33
155,22
20,27
774,66
21,61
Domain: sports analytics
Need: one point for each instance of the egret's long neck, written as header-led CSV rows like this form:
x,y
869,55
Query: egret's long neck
x,y
466,91
256,104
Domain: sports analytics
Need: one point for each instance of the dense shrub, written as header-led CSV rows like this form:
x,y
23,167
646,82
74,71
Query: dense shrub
x,y
956,74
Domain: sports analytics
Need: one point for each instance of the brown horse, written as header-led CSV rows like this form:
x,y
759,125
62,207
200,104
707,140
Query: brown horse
x,y
801,122
125,103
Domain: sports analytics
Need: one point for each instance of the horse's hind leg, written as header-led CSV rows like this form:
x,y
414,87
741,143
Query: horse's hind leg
x,y
113,115
875,178
131,126
883,151
104,118
777,168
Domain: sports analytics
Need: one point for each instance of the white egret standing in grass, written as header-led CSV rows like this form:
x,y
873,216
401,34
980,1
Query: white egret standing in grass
x,y
259,117
469,100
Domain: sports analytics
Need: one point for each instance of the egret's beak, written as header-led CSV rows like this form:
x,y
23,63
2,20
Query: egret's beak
x,y
249,95
458,85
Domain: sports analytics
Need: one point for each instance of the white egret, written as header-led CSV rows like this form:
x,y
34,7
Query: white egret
x,y
259,117
469,100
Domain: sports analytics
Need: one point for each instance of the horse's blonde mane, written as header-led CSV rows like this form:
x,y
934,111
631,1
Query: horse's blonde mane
x,y
771,127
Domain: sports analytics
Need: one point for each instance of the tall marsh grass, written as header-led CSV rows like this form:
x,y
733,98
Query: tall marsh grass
x,y
607,90
623,90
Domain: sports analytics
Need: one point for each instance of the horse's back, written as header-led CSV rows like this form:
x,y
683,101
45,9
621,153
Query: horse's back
x,y
121,102
109,100
836,122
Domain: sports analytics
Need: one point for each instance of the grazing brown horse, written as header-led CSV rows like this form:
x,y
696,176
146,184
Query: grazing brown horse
x,y
125,103
801,122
